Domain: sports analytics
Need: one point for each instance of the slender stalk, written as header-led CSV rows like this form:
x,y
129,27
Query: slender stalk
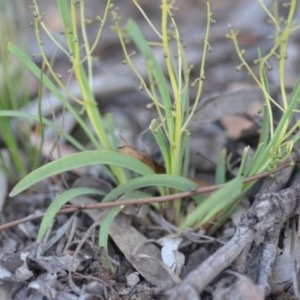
x,y
202,66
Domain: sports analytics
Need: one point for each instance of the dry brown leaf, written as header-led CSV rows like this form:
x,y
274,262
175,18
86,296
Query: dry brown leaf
x,y
144,256
142,157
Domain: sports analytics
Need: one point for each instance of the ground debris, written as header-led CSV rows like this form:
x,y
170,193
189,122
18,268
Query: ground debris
x,y
262,222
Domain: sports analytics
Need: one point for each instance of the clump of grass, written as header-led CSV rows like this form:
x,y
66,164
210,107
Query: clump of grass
x,y
80,56
78,50
275,143
170,96
169,93
170,131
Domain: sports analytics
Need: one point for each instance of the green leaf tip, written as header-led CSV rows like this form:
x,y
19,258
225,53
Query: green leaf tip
x,y
78,160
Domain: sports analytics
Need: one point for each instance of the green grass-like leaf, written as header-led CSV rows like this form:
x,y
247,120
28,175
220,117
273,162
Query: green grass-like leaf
x,y
214,204
110,216
152,65
77,160
28,63
57,204
105,226
29,117
221,167
162,142
154,180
